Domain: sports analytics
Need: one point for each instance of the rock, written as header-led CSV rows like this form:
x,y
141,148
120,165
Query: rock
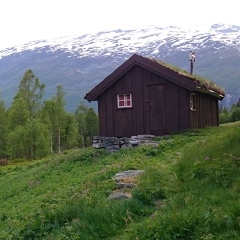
x,y
124,180
97,145
134,142
122,185
119,195
144,137
127,174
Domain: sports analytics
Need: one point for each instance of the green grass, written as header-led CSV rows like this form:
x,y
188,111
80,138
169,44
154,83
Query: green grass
x,y
190,190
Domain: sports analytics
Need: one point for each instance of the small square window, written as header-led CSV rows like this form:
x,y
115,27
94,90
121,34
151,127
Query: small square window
x,y
124,100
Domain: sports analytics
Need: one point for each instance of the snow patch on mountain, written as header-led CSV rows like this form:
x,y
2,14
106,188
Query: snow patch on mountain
x,y
130,41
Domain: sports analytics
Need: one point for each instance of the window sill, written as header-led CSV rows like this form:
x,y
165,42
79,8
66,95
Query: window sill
x,y
124,108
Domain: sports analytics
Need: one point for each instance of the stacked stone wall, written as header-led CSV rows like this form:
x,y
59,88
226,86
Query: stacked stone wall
x,y
115,143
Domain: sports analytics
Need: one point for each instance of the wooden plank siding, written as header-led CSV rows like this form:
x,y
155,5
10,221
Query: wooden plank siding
x,y
183,109
138,101
119,122
206,111
172,110
146,75
106,110
160,101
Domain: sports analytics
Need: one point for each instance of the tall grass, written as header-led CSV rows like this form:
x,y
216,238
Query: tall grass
x,y
206,203
85,220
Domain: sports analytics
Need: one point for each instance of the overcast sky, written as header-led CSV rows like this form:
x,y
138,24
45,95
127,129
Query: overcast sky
x,y
22,21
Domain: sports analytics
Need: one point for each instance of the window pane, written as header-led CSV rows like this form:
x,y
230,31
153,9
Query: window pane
x,y
121,97
121,103
127,96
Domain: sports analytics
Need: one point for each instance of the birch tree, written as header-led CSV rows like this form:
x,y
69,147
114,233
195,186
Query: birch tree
x,y
27,135
3,128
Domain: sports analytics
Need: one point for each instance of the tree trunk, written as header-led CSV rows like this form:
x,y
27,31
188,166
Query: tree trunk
x,y
51,143
59,141
83,143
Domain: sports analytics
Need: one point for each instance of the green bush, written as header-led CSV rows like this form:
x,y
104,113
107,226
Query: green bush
x,y
224,118
88,155
235,114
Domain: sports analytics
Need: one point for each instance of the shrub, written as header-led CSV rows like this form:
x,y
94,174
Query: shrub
x,y
224,118
88,155
3,162
235,115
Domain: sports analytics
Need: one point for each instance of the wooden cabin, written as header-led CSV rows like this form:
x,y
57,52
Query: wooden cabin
x,y
145,96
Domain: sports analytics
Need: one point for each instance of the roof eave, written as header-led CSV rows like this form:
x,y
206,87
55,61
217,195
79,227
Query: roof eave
x,y
210,92
93,94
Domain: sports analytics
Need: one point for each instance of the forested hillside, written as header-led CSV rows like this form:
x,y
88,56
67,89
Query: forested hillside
x,y
32,128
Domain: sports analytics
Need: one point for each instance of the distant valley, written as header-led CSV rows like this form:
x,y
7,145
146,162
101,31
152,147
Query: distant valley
x,y
80,62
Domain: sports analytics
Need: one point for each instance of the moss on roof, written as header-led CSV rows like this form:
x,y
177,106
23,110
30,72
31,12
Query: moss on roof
x,y
202,83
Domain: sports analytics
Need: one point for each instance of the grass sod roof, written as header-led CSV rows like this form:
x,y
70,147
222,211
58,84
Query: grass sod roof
x,y
192,82
202,82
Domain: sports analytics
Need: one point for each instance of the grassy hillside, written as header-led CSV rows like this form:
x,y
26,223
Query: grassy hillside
x,y
190,190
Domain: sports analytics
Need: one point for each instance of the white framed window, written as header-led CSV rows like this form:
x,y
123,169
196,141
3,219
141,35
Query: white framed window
x,y
192,102
124,100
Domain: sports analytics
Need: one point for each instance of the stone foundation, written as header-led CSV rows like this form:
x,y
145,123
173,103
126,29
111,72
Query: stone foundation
x,y
115,143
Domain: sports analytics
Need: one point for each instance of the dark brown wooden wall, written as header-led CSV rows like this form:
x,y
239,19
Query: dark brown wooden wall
x,y
173,117
206,113
174,114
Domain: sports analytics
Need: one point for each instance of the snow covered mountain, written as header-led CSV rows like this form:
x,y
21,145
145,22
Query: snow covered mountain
x,y
80,62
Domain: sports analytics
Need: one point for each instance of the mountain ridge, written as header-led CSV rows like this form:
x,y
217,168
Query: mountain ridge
x,y
80,62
